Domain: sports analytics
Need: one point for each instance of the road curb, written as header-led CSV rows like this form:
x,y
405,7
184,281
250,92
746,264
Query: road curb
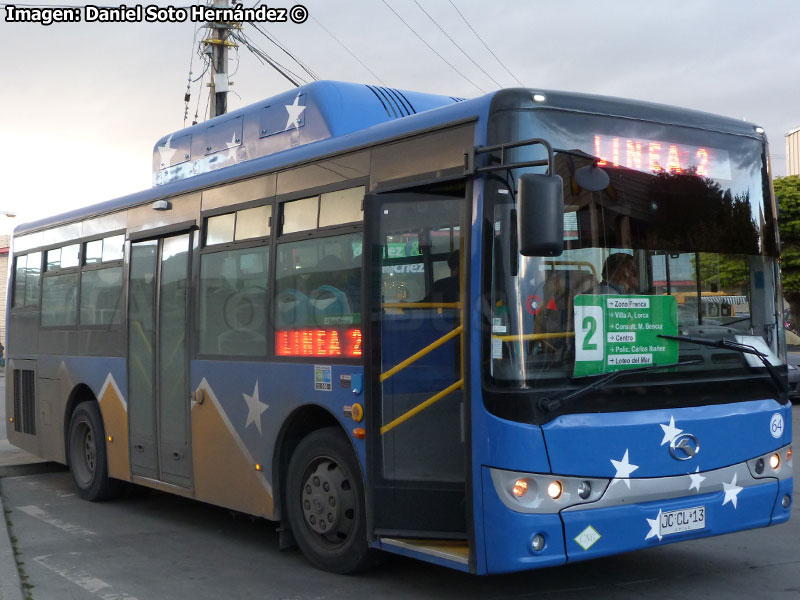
x,y
30,469
10,583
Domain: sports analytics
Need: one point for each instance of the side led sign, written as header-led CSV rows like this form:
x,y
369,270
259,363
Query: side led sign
x,y
319,342
658,156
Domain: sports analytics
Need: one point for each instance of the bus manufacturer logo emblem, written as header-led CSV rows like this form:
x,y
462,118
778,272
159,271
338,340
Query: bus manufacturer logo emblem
x,y
684,446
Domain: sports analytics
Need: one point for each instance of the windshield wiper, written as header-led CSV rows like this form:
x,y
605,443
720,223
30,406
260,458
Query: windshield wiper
x,y
736,347
549,405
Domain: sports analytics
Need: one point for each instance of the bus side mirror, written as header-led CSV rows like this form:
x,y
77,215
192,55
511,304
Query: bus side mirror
x,y
540,203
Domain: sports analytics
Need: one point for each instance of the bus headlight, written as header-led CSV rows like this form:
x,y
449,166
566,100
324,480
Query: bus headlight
x,y
555,489
775,461
544,492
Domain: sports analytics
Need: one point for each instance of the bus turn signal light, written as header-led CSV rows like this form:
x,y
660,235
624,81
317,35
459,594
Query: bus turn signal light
x,y
520,488
359,433
788,455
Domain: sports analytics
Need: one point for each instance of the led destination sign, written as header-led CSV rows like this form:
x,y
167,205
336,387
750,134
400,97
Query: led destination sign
x,y
318,342
658,156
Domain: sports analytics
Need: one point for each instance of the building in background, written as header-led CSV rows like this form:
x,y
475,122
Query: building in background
x,y
793,152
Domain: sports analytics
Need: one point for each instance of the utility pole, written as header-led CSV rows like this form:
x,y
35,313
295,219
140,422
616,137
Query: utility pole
x,y
218,43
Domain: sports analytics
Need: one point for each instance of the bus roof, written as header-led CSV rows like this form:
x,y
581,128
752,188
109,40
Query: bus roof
x,y
326,118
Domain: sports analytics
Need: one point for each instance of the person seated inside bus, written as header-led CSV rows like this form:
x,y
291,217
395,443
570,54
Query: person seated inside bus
x,y
446,289
620,275
556,314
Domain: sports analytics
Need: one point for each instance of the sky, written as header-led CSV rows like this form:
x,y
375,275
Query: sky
x,y
82,104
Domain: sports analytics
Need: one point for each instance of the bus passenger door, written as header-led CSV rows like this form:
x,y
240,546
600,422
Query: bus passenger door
x,y
158,368
416,431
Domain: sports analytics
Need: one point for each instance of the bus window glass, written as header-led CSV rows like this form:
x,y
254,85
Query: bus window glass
x,y
219,230
53,259
253,222
93,252
233,302
689,246
318,297
69,256
33,273
300,215
19,280
342,206
101,296
113,248
60,300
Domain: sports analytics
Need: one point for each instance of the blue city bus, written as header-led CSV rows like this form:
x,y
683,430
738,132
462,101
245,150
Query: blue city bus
x,y
473,332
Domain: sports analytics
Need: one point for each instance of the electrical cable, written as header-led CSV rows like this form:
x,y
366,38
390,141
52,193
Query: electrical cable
x,y
325,29
435,22
484,44
432,49
263,57
275,41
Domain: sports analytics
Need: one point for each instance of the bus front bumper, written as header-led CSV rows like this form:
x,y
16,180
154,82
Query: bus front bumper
x,y
623,515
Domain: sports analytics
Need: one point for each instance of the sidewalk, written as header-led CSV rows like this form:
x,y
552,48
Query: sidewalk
x,y
13,462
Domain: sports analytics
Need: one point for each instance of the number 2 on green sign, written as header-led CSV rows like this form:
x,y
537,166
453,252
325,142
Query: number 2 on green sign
x,y
589,323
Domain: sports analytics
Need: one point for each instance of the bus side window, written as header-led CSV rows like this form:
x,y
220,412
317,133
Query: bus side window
x,y
233,302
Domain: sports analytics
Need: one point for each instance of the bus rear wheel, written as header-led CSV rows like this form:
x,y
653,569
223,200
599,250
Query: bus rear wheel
x,y
87,455
325,503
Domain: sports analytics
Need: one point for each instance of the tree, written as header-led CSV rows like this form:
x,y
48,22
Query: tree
x,y
787,192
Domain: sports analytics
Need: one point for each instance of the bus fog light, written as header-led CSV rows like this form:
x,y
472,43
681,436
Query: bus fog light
x,y
759,466
786,501
520,488
775,461
584,490
538,542
554,490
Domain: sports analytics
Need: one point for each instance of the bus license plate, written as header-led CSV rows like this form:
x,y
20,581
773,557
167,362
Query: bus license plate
x,y
687,519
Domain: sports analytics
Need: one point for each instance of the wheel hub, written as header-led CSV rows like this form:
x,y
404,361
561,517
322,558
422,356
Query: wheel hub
x,y
327,500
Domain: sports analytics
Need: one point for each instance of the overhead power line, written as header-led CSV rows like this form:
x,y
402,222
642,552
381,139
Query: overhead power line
x,y
435,22
263,57
431,48
497,58
277,43
347,50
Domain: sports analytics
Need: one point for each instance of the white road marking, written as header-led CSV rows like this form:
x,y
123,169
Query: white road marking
x,y
84,580
42,515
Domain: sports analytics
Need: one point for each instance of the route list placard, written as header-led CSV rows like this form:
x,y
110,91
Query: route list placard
x,y
621,332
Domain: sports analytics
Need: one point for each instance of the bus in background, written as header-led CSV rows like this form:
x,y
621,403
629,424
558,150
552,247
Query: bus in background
x,y
443,328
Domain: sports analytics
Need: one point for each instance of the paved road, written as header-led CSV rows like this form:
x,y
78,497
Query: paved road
x,y
153,545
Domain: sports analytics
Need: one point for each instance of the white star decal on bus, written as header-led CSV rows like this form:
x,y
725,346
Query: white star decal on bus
x,y
655,527
696,479
232,145
166,151
670,431
731,492
294,110
624,469
255,408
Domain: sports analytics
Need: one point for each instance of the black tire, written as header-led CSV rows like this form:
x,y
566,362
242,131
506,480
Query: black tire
x,y
325,503
86,446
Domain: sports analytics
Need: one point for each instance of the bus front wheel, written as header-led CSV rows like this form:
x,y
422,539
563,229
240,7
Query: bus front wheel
x,y
325,503
87,454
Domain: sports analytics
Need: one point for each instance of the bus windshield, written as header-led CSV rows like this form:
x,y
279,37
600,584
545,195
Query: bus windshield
x,y
680,243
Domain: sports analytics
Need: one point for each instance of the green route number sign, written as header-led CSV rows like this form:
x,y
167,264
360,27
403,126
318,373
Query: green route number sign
x,y
621,332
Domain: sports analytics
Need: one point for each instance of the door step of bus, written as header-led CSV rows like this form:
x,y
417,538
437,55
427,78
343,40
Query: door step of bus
x,y
450,551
